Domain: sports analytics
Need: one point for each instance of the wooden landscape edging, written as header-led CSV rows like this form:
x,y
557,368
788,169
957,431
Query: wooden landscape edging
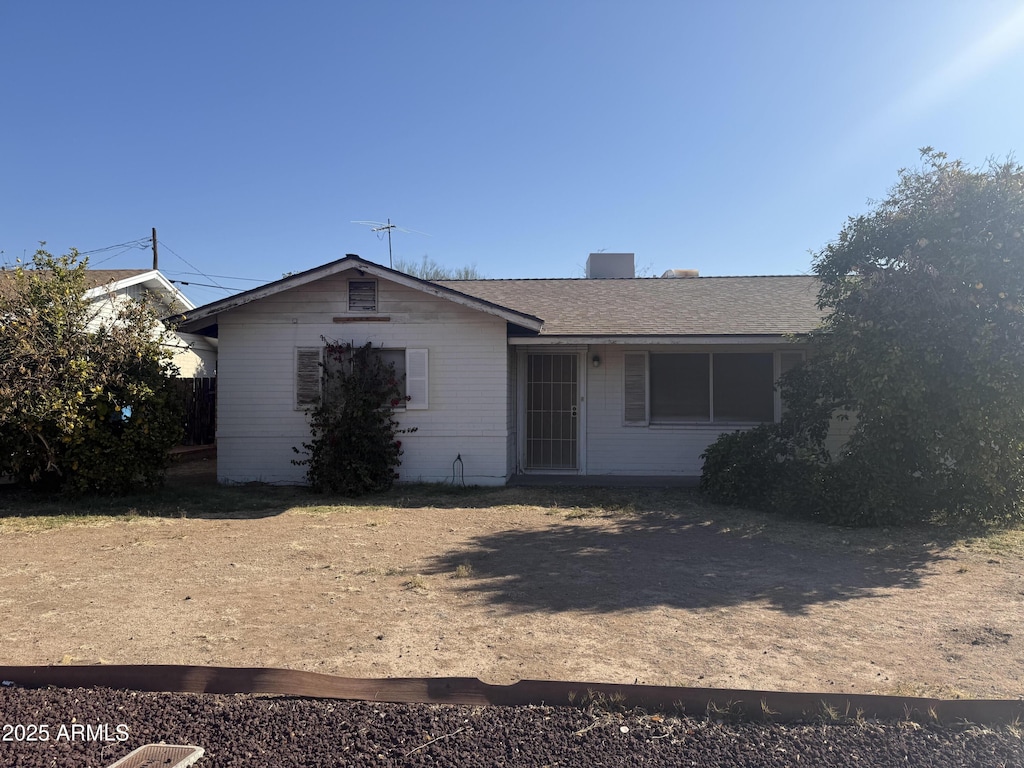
x,y
729,703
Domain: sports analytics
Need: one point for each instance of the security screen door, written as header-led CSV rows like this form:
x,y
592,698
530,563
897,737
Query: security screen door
x,y
552,411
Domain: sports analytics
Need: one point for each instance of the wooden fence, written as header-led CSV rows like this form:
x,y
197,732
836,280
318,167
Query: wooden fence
x,y
199,397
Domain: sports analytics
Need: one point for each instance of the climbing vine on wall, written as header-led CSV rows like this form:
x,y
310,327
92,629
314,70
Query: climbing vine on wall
x,y
355,446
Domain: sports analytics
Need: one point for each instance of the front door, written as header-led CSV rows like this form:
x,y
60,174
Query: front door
x,y
552,411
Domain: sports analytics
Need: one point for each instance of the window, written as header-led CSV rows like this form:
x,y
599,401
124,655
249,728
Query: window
x,y
362,295
717,387
395,357
744,387
679,388
410,370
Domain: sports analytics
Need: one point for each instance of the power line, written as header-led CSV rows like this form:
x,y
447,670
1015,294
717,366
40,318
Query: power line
x,y
142,242
112,256
222,277
197,270
207,285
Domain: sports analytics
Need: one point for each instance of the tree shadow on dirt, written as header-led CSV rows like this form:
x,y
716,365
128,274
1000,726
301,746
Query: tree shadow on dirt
x,y
655,559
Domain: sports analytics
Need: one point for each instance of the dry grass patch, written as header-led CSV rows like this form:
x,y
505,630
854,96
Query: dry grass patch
x,y
599,584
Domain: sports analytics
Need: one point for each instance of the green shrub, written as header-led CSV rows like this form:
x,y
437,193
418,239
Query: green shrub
x,y
769,467
354,448
739,467
85,403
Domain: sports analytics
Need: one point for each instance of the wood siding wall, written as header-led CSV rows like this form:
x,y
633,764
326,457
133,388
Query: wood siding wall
x,y
258,424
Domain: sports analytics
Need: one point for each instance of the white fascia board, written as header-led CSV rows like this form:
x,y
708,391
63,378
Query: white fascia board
x,y
154,280
202,317
634,340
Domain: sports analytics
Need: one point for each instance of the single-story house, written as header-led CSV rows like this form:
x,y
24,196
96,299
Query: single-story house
x,y
605,375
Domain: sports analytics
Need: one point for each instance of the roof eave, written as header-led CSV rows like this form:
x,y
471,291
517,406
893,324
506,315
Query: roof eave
x,y
695,339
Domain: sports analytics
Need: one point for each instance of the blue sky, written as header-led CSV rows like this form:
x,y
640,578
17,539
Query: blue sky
x,y
732,137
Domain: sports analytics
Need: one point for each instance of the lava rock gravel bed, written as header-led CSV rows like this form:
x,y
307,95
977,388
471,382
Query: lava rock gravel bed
x,y
91,728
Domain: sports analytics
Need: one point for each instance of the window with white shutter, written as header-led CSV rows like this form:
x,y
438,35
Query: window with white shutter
x,y
635,388
416,379
410,366
307,377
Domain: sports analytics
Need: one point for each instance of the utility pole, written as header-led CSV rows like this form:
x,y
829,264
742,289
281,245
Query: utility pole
x,y
154,249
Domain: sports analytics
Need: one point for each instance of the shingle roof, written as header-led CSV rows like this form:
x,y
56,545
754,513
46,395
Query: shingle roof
x,y
701,306
94,278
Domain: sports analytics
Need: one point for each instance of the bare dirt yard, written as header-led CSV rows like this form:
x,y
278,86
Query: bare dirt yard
x,y
608,585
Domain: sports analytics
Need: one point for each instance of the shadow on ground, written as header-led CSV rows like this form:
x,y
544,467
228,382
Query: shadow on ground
x,y
655,559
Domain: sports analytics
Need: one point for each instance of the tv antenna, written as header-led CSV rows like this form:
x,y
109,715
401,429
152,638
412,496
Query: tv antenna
x,y
387,226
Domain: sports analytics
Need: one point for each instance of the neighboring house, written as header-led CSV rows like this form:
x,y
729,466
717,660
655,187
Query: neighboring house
x,y
606,375
195,356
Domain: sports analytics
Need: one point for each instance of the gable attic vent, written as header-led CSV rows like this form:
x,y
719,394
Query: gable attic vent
x,y
681,273
609,265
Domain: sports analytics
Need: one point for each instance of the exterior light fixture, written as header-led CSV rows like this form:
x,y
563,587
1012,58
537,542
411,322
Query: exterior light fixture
x,y
596,360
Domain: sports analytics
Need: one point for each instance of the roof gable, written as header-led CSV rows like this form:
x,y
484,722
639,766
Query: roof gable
x,y
206,316
104,282
101,283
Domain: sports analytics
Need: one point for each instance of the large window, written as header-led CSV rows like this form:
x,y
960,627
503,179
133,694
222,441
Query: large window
x,y
726,387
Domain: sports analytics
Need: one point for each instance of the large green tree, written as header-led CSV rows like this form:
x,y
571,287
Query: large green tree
x,y
926,329
87,403
924,342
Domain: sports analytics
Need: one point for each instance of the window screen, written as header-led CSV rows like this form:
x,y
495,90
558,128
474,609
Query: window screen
x,y
704,387
396,357
680,387
744,387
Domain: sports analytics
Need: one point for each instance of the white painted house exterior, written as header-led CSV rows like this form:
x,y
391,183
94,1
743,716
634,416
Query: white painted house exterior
x,y
462,409
617,376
